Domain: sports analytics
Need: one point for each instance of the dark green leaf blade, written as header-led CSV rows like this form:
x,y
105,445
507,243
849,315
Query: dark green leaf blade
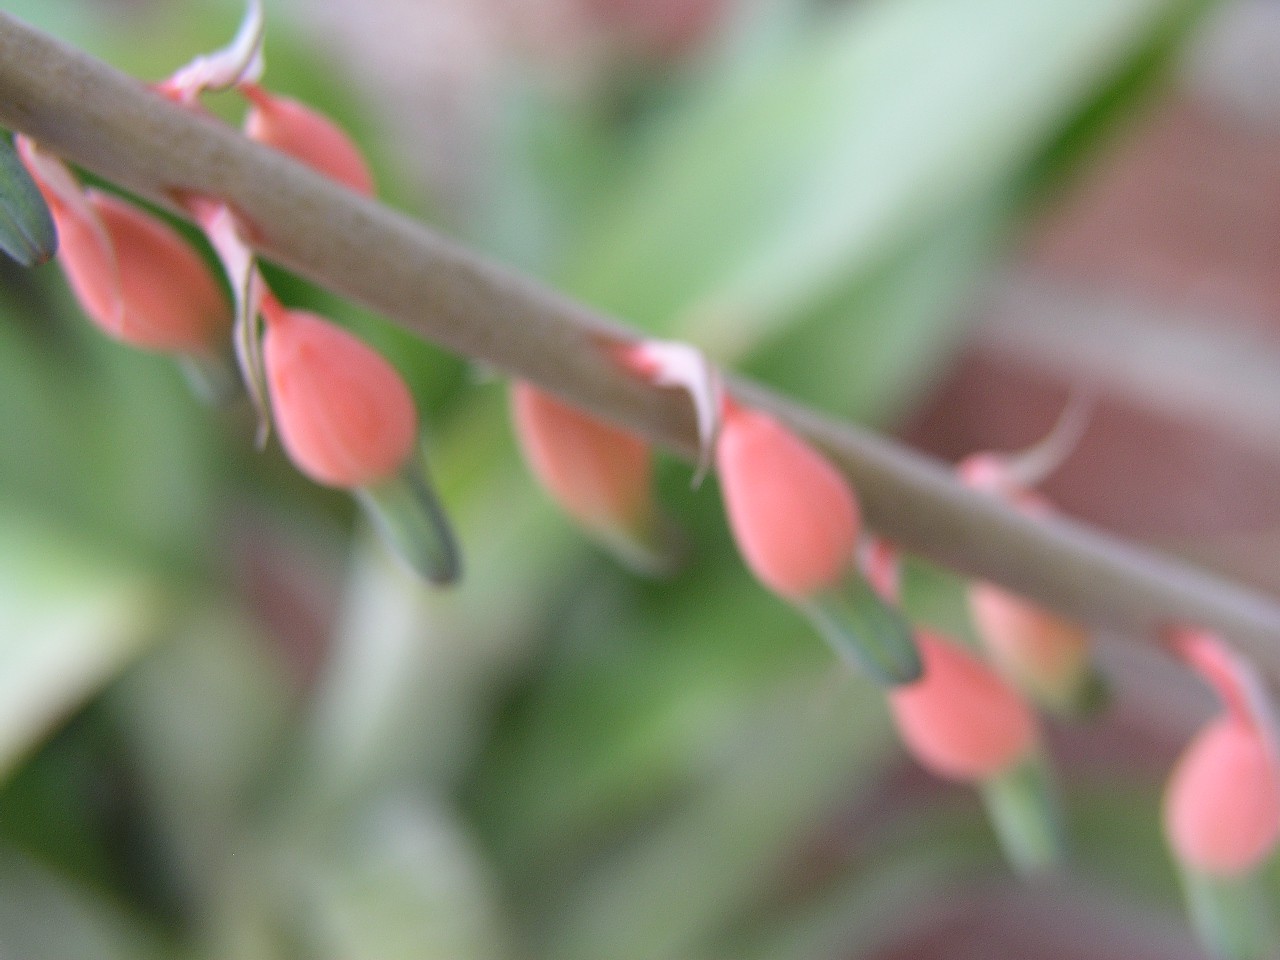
x,y
866,632
26,226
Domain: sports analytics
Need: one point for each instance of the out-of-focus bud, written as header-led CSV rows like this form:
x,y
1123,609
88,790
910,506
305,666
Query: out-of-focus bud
x,y
599,474
796,522
344,415
133,275
1222,803
169,299
960,720
1045,655
793,515
1222,806
308,136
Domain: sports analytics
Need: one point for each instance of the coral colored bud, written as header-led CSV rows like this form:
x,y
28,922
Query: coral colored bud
x,y
308,136
961,720
793,515
1042,653
136,277
1222,805
597,473
344,415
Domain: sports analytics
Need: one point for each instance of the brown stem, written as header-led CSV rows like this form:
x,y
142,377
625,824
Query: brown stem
x,y
115,126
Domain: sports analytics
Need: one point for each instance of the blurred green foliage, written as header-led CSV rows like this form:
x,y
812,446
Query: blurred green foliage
x,y
231,727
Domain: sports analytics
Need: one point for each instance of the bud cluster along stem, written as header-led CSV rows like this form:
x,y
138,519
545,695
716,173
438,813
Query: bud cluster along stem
x,y
108,122
345,417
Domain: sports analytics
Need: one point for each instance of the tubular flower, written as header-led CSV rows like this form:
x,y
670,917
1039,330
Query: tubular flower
x,y
597,473
344,415
796,522
793,515
133,275
1044,654
960,720
1222,804
308,136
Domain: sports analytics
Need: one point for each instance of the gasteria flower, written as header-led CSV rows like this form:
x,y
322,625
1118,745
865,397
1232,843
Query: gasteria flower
x,y
599,474
793,515
796,522
1044,654
344,415
960,720
306,135
1222,805
134,276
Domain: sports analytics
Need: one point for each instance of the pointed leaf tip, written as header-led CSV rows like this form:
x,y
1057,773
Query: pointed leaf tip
x,y
1026,815
409,516
866,632
1231,916
27,232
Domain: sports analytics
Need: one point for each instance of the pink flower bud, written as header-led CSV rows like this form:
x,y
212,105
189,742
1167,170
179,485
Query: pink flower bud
x,y
345,416
136,278
597,473
793,515
1222,805
1042,653
307,136
960,720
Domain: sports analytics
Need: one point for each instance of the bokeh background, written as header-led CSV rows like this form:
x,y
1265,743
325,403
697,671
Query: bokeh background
x,y
231,727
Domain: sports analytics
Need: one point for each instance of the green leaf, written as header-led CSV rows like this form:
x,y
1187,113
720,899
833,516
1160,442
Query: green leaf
x,y
70,619
761,198
408,514
397,880
26,226
1025,812
866,632
42,917
1231,916
204,713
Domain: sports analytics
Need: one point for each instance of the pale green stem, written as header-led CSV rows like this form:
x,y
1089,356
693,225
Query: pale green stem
x,y
113,125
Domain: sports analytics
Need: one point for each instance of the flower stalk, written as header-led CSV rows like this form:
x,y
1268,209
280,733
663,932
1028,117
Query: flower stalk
x,y
115,126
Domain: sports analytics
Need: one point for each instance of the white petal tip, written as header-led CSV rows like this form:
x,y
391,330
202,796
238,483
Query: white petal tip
x,y
237,63
670,363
